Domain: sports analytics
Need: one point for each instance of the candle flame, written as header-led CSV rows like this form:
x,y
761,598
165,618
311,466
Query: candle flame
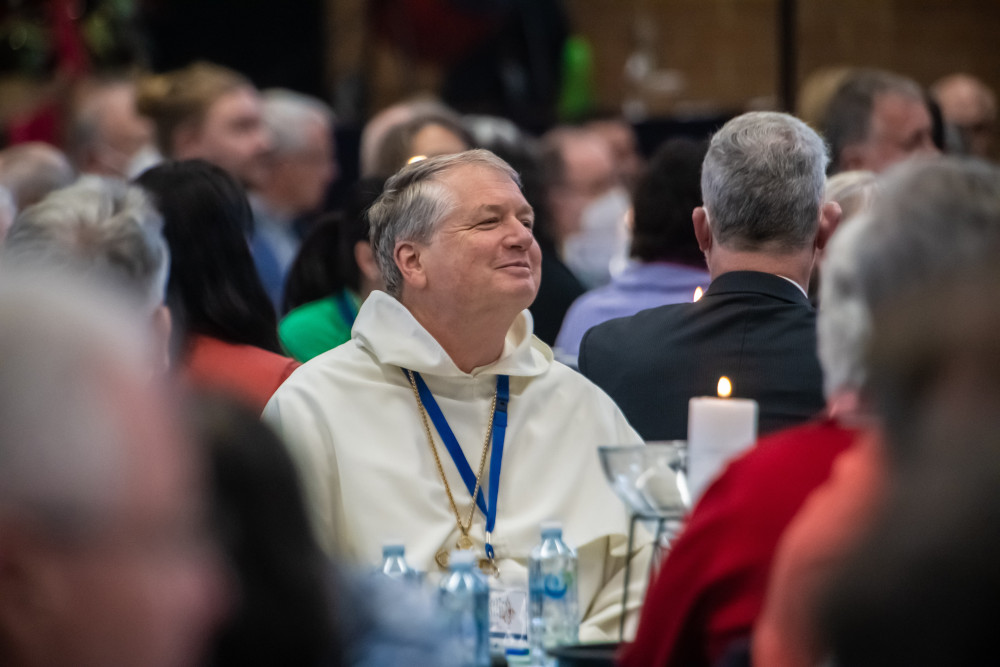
x,y
725,387
697,293
416,158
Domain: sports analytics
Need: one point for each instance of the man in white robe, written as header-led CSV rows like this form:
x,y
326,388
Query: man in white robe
x,y
453,239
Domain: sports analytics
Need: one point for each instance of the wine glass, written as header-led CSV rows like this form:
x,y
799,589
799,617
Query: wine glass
x,y
651,480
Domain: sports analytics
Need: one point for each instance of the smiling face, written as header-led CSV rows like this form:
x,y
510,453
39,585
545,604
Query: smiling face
x,y
483,255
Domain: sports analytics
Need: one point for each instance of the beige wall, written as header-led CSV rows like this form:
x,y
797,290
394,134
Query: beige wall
x,y
726,50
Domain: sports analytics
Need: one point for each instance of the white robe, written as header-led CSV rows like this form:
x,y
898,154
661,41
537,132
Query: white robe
x,y
352,424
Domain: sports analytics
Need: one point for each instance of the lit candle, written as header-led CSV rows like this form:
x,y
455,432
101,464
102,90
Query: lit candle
x,y
697,294
718,430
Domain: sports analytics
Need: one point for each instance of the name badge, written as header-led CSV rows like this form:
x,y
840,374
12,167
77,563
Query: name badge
x,y
508,617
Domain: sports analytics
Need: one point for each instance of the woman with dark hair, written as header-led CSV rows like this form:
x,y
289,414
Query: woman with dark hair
x,y
334,272
227,327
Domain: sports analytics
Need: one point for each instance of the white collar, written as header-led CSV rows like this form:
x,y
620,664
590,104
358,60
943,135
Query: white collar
x,y
386,328
801,288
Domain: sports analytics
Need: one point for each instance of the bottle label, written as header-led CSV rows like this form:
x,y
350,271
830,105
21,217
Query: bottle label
x,y
555,586
508,616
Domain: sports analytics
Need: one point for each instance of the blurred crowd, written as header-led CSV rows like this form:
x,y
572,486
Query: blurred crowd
x,y
176,267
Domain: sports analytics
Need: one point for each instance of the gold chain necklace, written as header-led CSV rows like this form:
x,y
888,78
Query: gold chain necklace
x,y
464,541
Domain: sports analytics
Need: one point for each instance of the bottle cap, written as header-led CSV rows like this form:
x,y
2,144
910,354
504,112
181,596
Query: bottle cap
x,y
461,558
392,548
551,529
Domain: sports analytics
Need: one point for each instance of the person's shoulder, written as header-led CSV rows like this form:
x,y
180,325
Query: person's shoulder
x,y
619,329
584,391
307,313
795,460
313,328
329,371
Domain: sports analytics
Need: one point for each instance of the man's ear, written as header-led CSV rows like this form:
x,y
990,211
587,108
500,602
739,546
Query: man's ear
x,y
702,230
829,218
410,264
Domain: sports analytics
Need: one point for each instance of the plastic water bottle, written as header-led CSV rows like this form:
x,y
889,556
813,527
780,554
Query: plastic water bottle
x,y
465,608
394,563
552,591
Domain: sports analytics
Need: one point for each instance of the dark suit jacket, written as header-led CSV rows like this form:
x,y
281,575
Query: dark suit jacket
x,y
758,329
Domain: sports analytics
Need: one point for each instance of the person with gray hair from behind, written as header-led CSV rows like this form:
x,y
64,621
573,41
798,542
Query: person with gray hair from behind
x,y
105,558
446,355
876,119
106,229
297,173
704,603
763,223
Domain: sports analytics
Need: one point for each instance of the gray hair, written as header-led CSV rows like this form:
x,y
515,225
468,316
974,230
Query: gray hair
x,y
287,112
61,343
32,170
97,226
931,220
848,117
414,202
762,182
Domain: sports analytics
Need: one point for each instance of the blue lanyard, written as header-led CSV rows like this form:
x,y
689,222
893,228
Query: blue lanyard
x,y
345,308
455,450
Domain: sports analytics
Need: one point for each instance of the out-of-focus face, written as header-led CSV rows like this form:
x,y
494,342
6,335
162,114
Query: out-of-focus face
x,y
232,135
483,255
968,105
122,134
300,178
590,173
901,128
624,147
146,587
433,139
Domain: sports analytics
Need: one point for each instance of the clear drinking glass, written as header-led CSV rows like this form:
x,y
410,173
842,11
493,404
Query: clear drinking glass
x,y
651,480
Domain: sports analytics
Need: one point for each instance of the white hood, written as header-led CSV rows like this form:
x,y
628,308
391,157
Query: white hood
x,y
387,330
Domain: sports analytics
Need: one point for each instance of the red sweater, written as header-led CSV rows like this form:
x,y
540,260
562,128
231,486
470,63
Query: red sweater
x,y
247,372
711,587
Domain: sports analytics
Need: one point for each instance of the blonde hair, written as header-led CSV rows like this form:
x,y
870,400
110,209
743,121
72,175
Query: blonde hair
x,y
183,96
853,190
